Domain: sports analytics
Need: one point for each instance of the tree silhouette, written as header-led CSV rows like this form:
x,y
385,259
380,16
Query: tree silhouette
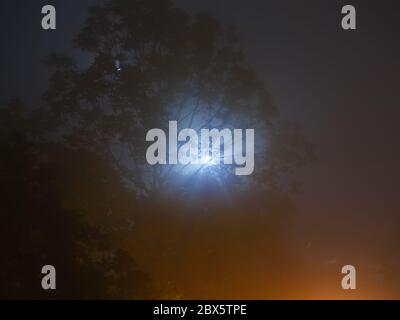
x,y
151,63
91,191
38,228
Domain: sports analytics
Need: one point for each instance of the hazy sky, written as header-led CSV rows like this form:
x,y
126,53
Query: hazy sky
x,y
341,86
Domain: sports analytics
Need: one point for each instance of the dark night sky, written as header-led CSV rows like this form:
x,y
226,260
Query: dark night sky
x,y
342,86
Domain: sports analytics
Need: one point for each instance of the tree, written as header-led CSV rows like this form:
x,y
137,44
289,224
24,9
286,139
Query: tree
x,y
38,228
151,63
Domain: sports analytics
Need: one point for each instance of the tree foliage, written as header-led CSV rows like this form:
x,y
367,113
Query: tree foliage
x,y
151,63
